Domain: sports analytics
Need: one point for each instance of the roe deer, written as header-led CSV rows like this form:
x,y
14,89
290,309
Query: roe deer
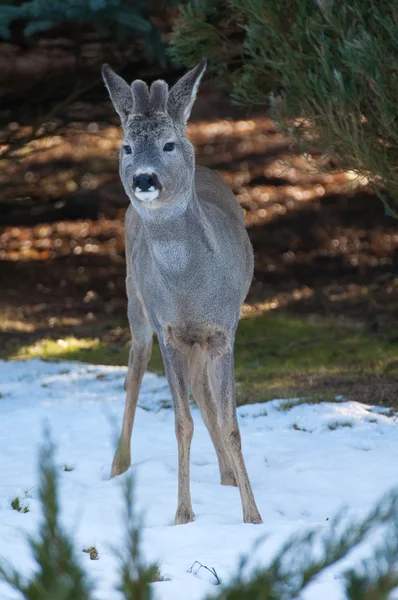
x,y
189,267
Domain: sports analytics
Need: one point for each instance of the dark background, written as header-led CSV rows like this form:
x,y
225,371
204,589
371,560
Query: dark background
x,y
326,252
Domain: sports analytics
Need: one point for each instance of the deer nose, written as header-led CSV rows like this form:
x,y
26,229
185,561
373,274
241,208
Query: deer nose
x,y
146,182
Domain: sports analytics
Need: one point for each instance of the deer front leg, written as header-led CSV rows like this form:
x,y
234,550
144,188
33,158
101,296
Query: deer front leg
x,y
138,361
175,364
223,380
204,398
140,352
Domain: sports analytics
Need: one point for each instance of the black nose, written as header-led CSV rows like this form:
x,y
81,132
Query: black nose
x,y
145,181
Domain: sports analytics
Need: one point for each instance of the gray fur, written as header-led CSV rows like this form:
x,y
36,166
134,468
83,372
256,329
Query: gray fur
x,y
140,93
183,94
158,96
189,267
119,91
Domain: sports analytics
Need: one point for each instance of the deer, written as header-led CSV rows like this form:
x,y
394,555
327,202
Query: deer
x,y
189,264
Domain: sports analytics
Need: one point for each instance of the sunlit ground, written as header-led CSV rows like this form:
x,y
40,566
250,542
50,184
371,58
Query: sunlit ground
x,y
319,318
276,355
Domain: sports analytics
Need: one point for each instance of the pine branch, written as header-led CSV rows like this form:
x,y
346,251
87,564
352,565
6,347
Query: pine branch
x,y
327,69
300,560
58,575
307,555
135,576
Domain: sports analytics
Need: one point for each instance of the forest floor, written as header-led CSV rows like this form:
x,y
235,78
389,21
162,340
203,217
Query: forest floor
x,y
320,318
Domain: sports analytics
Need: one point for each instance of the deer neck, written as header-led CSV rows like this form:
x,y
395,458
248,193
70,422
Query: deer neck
x,y
174,235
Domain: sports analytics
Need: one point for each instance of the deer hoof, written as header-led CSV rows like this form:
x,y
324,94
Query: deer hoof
x,y
183,516
120,465
253,517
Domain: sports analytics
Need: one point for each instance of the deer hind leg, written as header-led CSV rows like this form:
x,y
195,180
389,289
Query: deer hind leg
x,y
201,388
176,367
140,353
222,375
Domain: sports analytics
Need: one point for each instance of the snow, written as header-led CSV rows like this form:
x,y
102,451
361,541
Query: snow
x,y
305,462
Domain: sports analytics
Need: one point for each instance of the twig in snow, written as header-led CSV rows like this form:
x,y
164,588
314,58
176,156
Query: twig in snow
x,y
210,569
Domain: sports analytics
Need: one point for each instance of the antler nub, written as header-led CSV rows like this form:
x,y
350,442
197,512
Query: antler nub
x,y
158,96
140,97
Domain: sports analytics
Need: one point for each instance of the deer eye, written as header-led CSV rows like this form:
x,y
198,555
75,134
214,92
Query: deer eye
x,y
127,149
169,147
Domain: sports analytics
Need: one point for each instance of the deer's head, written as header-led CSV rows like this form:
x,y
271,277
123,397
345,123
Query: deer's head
x,y
157,161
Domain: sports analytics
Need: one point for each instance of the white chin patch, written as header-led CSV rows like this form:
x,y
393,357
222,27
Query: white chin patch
x,y
148,196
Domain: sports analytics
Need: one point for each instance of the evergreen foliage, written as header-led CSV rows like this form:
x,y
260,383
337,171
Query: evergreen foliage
x,y
17,505
121,17
58,575
299,561
135,575
327,68
307,555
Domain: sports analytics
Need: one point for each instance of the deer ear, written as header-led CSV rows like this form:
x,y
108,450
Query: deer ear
x,y
119,91
182,95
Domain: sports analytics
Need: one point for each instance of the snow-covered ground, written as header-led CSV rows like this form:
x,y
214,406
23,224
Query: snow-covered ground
x,y
304,463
